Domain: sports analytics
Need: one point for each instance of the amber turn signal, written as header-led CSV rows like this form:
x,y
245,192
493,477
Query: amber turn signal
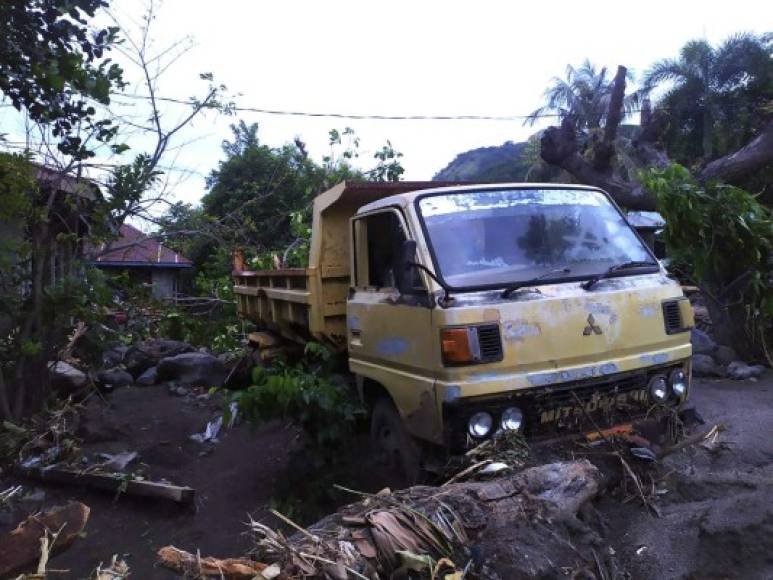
x,y
455,345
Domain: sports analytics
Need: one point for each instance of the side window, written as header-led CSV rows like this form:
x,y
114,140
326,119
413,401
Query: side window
x,y
378,242
385,236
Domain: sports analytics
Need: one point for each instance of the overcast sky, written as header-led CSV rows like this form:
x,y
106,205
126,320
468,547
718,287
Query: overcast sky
x,y
406,58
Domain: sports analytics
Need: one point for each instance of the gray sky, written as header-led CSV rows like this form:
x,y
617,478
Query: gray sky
x,y
405,58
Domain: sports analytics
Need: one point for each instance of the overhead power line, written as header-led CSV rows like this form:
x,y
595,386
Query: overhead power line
x,y
361,117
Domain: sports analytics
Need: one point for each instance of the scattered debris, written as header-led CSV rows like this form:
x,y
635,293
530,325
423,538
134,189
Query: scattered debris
x,y
119,483
198,567
8,494
117,461
211,431
30,540
117,570
711,434
435,528
508,450
48,436
643,453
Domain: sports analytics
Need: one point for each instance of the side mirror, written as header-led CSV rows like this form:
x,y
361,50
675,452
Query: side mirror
x,y
404,273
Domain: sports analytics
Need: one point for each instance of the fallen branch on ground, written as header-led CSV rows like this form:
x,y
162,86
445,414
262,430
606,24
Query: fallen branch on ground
x,y
692,440
22,546
198,567
117,570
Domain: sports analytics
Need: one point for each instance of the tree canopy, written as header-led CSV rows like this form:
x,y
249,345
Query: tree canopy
x,y
716,95
582,96
52,62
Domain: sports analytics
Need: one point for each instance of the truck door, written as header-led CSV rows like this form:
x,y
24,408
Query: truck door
x,y
390,336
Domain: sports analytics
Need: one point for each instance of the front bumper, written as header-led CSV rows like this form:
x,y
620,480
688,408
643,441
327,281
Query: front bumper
x,y
563,409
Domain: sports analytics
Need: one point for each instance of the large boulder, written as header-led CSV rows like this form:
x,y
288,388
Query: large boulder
x,y
149,353
702,343
703,365
116,377
148,378
725,355
114,356
66,379
739,370
193,369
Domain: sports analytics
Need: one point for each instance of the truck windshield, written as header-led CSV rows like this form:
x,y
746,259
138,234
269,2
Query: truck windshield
x,y
496,238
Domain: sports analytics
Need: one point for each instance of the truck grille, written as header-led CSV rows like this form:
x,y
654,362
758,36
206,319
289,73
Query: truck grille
x,y
490,343
672,317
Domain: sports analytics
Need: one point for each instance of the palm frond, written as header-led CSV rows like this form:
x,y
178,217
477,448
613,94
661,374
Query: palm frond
x,y
667,69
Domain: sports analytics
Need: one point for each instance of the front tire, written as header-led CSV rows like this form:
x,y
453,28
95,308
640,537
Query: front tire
x,y
394,447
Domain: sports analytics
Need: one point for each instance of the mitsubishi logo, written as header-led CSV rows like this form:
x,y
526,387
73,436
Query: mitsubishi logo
x,y
592,327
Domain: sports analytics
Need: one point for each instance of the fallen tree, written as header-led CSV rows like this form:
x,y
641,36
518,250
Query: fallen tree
x,y
559,146
520,526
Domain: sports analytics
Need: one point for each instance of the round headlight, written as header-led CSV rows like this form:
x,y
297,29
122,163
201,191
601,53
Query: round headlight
x,y
678,382
512,419
659,389
480,424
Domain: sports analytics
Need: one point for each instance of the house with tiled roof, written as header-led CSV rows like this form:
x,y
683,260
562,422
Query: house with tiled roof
x,y
145,260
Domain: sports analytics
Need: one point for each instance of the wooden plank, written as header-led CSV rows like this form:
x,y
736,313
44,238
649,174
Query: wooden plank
x,y
284,294
335,272
109,482
287,295
335,309
270,273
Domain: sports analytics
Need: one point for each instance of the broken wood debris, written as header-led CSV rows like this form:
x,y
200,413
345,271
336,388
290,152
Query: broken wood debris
x,y
119,483
430,528
228,568
117,570
32,541
8,494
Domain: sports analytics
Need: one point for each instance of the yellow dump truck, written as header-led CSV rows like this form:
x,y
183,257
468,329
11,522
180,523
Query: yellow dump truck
x,y
466,310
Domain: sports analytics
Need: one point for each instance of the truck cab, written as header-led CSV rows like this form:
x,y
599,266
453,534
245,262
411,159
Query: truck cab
x,y
468,310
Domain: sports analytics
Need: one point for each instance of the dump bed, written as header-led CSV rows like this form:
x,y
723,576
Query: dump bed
x,y
310,303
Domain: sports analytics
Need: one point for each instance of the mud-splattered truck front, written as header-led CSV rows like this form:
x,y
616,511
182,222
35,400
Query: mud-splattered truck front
x,y
475,309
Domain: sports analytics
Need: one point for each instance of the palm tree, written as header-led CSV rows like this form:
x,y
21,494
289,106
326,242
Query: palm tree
x,y
583,96
704,76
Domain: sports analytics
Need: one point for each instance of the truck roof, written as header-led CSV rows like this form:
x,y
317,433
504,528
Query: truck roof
x,y
408,194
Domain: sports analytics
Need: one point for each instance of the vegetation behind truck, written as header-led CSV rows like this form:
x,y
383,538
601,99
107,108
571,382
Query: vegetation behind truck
x,y
466,310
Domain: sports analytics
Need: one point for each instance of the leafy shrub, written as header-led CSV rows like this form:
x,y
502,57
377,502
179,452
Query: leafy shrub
x,y
722,237
307,395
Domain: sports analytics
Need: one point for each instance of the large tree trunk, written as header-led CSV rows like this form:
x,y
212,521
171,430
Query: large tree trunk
x,y
559,147
523,525
753,156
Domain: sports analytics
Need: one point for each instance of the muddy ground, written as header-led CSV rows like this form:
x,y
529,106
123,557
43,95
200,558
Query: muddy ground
x,y
717,514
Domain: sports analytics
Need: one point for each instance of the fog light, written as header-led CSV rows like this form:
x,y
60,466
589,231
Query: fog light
x,y
512,419
480,424
658,388
678,381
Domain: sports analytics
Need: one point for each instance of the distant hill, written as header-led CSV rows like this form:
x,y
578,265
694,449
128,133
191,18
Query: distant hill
x,y
510,162
503,163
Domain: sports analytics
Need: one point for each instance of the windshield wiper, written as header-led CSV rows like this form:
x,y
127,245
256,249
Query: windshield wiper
x,y
513,287
593,280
